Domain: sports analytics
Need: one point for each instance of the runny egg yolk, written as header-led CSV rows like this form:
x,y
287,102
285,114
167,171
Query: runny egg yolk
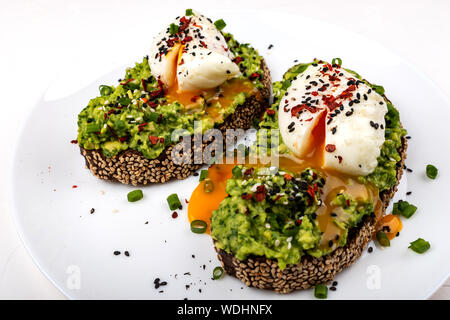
x,y
202,204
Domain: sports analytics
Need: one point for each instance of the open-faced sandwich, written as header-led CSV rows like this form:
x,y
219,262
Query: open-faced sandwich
x,y
340,154
194,72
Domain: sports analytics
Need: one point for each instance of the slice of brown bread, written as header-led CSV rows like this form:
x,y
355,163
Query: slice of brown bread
x,y
131,167
263,273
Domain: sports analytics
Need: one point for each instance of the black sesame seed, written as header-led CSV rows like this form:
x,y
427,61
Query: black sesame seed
x,y
408,193
370,249
116,253
92,210
333,288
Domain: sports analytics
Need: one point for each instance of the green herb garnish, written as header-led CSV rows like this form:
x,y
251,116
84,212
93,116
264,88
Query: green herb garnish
x,y
217,273
199,226
320,291
432,171
220,24
124,101
203,175
135,195
105,90
378,89
404,208
337,61
92,127
208,186
420,245
174,201
189,12
383,239
173,29
237,172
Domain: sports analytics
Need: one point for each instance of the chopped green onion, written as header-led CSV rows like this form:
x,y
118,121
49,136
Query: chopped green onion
x,y
199,226
105,90
173,29
220,24
152,116
217,273
189,12
119,125
125,101
383,239
92,127
419,246
173,201
432,171
135,195
208,186
321,291
337,61
203,175
378,89
237,172
404,208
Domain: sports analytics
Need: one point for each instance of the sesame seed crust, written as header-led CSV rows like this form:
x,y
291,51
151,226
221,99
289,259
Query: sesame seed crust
x,y
131,167
263,273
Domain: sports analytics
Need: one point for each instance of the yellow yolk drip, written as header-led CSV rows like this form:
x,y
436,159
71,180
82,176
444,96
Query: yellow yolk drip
x,y
202,204
206,98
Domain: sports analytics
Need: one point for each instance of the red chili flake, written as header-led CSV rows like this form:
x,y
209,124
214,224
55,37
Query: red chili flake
x,y
144,84
277,197
123,139
171,42
314,93
74,186
105,116
186,39
74,141
260,193
141,126
309,119
249,171
153,139
255,75
161,140
126,82
246,196
186,200
194,98
184,24
340,159
330,102
330,148
347,93
159,118
298,222
175,215
237,60
203,44
348,202
181,62
287,177
270,112
295,110
196,25
312,191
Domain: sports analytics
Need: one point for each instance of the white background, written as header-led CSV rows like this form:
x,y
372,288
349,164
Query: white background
x,y
68,44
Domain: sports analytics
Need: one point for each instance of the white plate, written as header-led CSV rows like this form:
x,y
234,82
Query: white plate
x,y
75,248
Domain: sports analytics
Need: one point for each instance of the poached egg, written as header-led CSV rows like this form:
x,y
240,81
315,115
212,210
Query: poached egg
x,y
195,57
327,108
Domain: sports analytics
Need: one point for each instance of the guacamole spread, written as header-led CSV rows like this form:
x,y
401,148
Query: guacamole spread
x,y
384,176
274,215
136,114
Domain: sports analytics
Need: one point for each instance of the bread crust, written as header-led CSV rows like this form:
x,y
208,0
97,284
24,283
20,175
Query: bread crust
x,y
263,273
131,167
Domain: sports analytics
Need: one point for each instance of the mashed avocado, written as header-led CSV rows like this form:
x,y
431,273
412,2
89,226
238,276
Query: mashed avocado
x,y
385,175
136,114
274,215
